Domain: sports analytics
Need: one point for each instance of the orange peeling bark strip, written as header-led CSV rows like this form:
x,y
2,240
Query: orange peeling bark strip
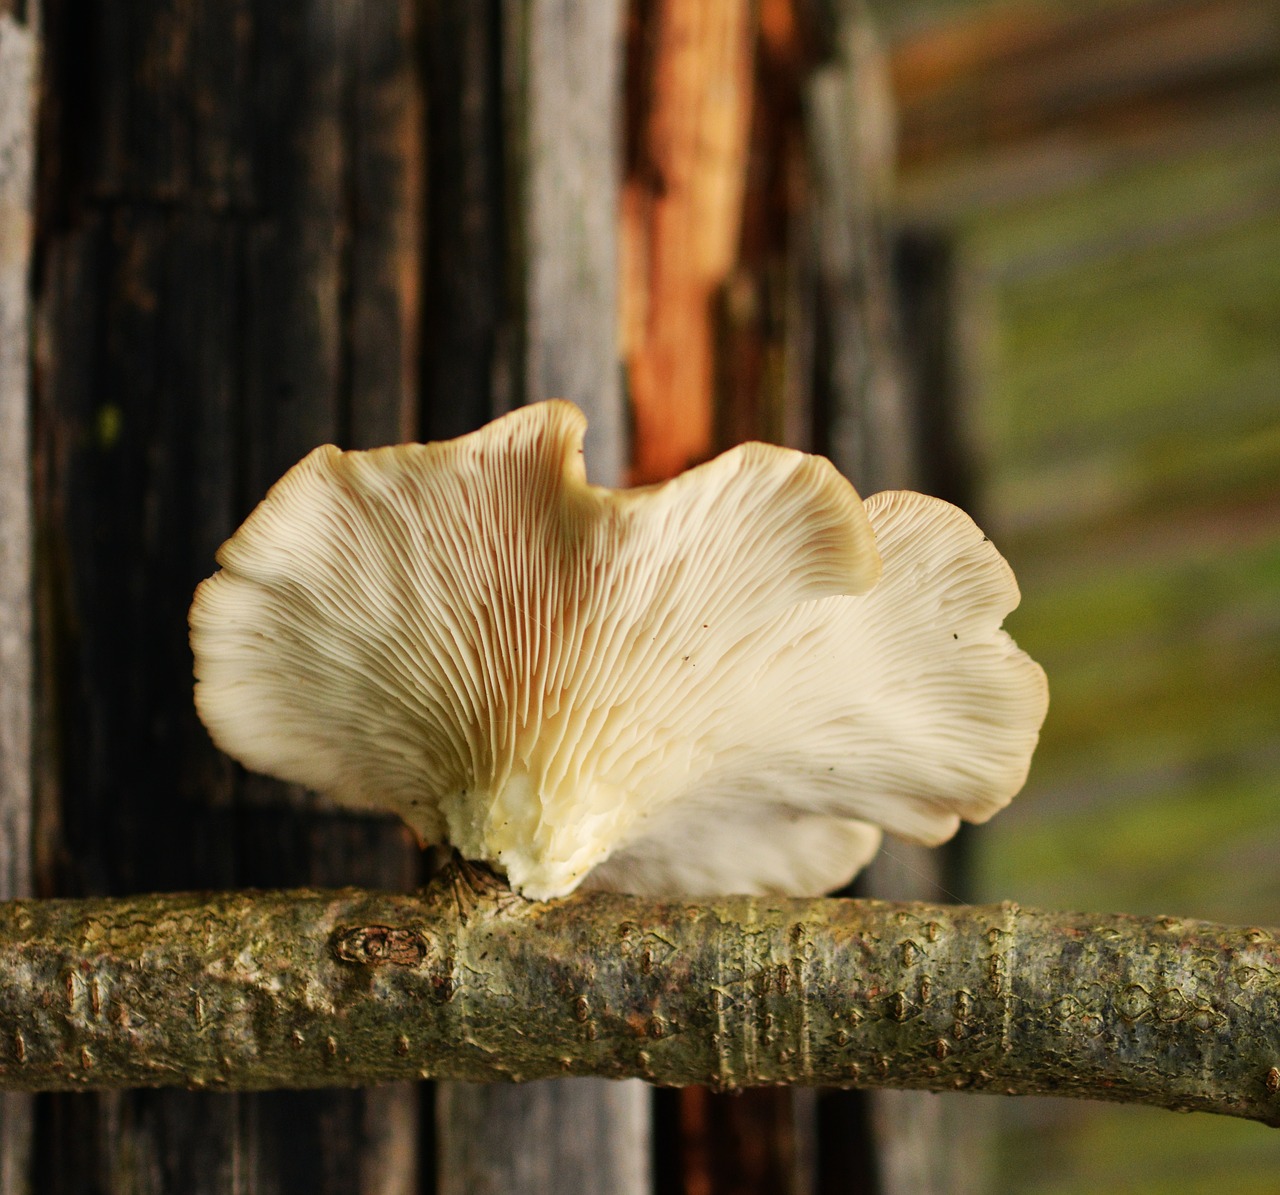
x,y
681,211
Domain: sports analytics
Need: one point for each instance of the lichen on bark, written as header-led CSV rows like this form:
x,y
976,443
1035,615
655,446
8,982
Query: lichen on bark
x,y
464,980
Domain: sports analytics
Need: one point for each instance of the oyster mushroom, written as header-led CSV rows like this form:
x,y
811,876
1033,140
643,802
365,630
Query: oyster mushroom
x,y
729,682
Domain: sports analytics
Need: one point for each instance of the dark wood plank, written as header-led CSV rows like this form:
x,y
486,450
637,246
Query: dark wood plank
x,y
229,276
135,434
331,323
386,179
860,400
465,328
564,103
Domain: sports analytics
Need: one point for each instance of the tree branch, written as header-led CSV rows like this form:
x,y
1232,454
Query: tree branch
x,y
463,980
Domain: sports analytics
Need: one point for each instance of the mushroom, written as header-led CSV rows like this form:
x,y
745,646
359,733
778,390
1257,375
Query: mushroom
x,y
727,683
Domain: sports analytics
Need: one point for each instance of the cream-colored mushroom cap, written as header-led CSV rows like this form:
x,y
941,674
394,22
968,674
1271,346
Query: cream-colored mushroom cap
x,y
725,683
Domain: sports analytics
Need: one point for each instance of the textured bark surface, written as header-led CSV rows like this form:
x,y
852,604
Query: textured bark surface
x,y
313,988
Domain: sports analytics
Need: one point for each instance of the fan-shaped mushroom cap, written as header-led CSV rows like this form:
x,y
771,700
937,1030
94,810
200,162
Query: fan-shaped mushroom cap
x,y
697,686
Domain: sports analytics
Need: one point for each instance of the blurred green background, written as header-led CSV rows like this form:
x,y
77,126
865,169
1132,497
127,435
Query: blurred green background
x,y
1113,198
1131,428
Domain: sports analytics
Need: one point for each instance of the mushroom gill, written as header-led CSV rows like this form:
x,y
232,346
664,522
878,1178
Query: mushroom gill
x,y
702,686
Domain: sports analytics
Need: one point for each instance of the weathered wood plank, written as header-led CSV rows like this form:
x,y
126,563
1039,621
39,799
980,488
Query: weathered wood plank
x,y
581,1135
135,438
385,184
18,57
564,112
332,321
764,310
17,154
561,101
763,1142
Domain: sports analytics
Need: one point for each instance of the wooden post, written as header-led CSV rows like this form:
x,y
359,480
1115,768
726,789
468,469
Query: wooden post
x,y
228,275
18,57
563,65
561,104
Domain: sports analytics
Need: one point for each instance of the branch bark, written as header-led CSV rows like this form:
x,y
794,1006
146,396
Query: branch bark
x,y
308,988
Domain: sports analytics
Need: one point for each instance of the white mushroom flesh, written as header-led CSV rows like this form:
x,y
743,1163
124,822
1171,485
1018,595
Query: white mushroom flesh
x,y
704,686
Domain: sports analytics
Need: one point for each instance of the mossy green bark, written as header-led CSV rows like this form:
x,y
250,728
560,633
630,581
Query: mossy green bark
x,y
464,981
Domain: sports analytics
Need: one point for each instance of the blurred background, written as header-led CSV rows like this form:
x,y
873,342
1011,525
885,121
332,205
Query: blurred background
x,y
1107,179
1022,254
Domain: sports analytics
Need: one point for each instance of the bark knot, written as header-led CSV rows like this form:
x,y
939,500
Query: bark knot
x,y
374,945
